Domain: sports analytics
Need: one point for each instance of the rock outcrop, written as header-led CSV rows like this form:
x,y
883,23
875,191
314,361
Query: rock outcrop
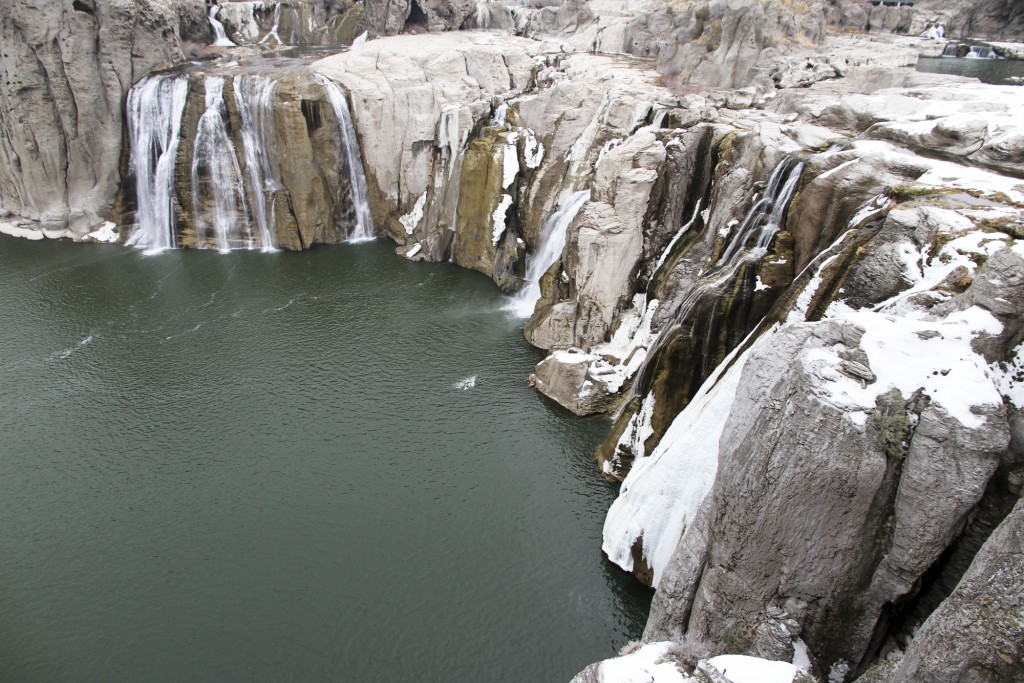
x,y
67,67
977,633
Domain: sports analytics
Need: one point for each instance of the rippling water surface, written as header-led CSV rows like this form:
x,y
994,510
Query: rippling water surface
x,y
317,466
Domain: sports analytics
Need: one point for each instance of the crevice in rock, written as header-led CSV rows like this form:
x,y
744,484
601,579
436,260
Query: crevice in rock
x,y
417,21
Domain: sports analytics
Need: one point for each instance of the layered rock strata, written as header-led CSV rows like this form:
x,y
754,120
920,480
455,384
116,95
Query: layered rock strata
x,y
67,68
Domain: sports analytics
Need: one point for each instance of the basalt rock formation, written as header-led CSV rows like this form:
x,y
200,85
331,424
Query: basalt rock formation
x,y
800,299
67,68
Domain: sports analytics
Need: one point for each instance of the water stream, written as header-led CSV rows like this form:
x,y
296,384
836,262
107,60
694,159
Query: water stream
x,y
552,244
154,113
217,175
220,36
353,161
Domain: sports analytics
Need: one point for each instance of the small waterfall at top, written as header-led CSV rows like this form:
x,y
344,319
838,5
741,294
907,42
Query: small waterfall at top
x,y
154,113
353,162
772,205
981,52
276,27
552,243
220,36
215,169
254,98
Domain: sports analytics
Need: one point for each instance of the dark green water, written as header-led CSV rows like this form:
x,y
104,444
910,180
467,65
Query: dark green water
x,y
258,467
991,71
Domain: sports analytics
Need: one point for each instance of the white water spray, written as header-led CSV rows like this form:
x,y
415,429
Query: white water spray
x,y
215,166
552,244
220,36
154,113
353,162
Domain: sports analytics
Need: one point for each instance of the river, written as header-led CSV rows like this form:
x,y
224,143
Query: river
x,y
323,465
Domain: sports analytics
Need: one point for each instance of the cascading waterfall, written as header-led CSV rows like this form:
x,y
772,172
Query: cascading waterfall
x,y
154,113
772,205
552,243
950,50
353,162
981,52
215,168
276,26
254,98
220,36
765,219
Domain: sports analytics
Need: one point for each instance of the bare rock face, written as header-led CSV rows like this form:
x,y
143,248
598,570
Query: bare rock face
x,y
389,17
718,43
977,633
67,67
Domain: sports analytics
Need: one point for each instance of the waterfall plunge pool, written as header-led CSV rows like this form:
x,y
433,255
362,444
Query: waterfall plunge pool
x,y
273,466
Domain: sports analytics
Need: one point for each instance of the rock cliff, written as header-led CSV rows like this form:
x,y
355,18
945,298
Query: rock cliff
x,y
67,68
801,298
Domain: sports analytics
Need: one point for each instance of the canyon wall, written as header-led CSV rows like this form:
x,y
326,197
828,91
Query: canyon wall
x,y
800,298
67,68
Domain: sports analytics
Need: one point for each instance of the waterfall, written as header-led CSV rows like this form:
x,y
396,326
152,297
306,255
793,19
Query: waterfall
x,y
221,38
277,25
254,98
215,162
981,52
154,113
950,50
552,243
765,219
772,205
353,162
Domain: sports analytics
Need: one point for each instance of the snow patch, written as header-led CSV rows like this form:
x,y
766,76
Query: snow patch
x,y
498,218
415,250
412,219
510,161
106,233
743,669
650,664
533,149
662,492
17,231
934,356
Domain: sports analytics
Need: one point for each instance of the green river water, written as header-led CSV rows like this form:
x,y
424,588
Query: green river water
x,y
245,466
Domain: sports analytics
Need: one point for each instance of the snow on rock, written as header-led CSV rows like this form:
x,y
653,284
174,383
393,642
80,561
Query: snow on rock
x,y
533,149
1009,378
934,356
18,231
652,663
510,161
412,219
105,233
663,491
743,669
498,218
